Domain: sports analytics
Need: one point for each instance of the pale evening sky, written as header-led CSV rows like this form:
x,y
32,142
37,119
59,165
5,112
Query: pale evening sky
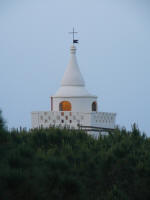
x,y
113,54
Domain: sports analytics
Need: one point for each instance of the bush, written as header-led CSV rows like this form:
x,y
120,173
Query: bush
x,y
69,164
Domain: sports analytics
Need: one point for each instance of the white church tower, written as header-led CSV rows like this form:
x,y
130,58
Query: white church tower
x,y
72,105
72,95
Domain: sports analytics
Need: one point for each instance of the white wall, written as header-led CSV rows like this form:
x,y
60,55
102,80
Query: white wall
x,y
79,104
72,119
103,119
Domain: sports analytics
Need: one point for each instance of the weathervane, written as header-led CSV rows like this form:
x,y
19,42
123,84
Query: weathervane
x,y
73,32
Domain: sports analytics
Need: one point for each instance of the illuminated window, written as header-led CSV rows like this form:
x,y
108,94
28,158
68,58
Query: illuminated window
x,y
65,106
94,106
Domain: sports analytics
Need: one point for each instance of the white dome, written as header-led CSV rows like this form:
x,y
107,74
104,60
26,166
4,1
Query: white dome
x,y
72,84
72,91
72,75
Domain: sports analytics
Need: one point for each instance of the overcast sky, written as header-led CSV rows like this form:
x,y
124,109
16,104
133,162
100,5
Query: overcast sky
x,y
113,55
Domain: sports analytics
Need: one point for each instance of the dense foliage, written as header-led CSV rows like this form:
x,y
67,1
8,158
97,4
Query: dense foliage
x,y
71,165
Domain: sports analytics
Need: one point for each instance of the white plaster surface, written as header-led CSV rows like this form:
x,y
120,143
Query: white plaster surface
x,y
72,75
79,104
72,91
72,119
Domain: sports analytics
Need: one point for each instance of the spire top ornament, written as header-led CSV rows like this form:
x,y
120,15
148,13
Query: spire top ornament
x,y
74,40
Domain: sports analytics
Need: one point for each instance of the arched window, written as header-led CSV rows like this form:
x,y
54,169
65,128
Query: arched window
x,y
65,106
94,106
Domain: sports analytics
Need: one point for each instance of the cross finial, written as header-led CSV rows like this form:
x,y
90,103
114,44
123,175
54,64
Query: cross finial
x,y
73,33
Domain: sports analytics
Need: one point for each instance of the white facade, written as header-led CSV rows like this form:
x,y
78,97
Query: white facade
x,y
79,104
47,119
73,105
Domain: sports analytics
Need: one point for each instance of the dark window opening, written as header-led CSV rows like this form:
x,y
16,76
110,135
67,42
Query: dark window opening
x,y
94,106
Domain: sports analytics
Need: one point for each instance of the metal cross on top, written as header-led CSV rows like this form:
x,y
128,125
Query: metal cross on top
x,y
73,32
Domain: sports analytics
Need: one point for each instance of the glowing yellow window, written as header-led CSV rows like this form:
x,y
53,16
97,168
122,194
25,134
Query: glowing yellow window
x,y
65,106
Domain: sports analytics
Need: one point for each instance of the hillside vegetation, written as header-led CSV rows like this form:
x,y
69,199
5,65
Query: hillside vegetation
x,y
54,164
